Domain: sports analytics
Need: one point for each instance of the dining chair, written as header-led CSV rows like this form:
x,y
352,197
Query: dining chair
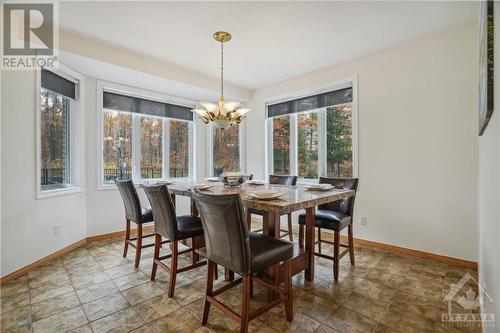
x,y
276,180
134,213
231,245
174,228
334,216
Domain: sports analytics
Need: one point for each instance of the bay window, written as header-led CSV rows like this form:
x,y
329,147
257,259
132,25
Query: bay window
x,y
312,136
144,137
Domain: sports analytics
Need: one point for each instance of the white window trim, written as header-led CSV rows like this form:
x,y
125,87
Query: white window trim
x,y
210,146
107,86
353,82
77,135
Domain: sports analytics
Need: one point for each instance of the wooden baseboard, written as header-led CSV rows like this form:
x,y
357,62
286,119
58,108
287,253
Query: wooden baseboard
x,y
20,272
403,250
9,277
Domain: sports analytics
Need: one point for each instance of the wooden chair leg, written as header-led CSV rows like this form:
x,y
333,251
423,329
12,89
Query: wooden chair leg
x,y
208,292
290,233
127,237
156,256
336,253
195,257
319,240
301,236
138,246
245,304
216,272
249,220
288,290
173,269
351,243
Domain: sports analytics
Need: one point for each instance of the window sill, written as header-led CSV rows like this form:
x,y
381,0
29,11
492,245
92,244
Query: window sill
x,y
112,186
59,192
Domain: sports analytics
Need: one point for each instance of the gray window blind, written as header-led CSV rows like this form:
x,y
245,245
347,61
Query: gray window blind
x,y
144,106
58,84
330,98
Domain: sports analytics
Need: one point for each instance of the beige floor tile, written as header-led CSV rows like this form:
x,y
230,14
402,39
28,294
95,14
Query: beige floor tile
x,y
11,302
50,290
119,322
366,306
131,280
86,280
17,319
119,271
181,321
82,329
54,305
96,291
403,321
14,287
61,322
105,306
157,307
346,320
142,292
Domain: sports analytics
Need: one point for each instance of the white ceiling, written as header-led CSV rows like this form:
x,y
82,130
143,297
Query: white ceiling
x,y
272,41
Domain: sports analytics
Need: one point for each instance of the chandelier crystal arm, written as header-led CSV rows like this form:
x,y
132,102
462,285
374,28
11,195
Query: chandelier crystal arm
x,y
222,114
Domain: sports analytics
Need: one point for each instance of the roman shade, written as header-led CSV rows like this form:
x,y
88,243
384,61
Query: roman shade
x,y
330,98
58,84
114,101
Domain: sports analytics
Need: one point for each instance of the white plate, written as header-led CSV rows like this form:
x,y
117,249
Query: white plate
x,y
201,187
166,182
212,179
256,182
266,195
319,187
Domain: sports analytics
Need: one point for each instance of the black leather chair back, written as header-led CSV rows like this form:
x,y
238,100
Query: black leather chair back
x,y
226,234
130,199
345,206
283,180
163,211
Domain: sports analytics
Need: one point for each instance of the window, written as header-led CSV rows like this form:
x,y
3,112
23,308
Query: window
x,y
58,132
179,149
339,141
151,147
226,150
144,138
312,136
281,146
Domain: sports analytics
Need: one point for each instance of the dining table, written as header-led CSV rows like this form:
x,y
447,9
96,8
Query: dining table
x,y
294,198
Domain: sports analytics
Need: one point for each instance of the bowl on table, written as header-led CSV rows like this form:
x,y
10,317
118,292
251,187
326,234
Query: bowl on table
x,y
319,187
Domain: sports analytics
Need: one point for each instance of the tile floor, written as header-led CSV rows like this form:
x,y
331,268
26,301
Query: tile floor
x,y
95,289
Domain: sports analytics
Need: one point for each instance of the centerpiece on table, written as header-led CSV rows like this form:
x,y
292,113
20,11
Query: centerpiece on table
x,y
234,179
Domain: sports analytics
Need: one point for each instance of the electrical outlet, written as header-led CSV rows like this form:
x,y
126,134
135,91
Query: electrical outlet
x,y
57,230
363,220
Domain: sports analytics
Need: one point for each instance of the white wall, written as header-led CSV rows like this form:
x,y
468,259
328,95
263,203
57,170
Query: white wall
x,y
417,140
27,223
489,199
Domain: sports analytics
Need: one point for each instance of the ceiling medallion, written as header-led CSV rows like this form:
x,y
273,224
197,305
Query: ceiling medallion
x,y
223,113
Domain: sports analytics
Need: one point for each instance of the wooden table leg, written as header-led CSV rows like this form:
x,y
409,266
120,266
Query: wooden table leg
x,y
196,240
309,274
271,227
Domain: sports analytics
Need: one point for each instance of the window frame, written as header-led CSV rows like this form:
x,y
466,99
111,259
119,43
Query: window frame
x,y
76,130
106,86
210,146
322,128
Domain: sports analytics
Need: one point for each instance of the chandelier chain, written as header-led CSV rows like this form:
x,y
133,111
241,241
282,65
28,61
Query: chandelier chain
x,y
222,69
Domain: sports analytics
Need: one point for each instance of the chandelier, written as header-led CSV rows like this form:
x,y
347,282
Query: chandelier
x,y
223,113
